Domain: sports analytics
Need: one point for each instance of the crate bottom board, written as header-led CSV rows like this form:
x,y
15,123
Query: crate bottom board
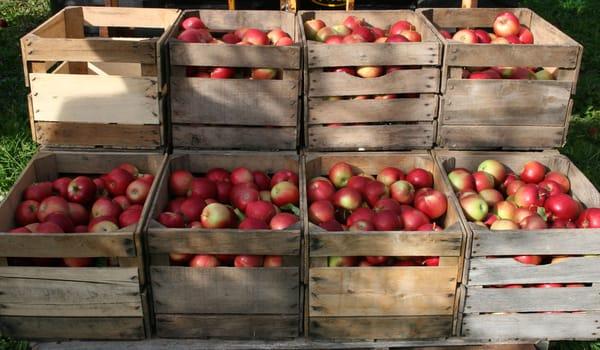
x,y
501,137
372,137
233,137
556,326
227,326
358,328
22,327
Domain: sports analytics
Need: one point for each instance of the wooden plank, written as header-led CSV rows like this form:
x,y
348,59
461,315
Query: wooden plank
x,y
373,54
89,99
385,244
91,50
223,20
472,18
72,327
129,17
372,137
509,271
88,134
400,81
423,108
227,326
74,29
511,102
228,55
532,299
415,327
234,101
259,242
506,137
225,290
114,244
247,138
117,68
546,242
70,292
561,326
53,27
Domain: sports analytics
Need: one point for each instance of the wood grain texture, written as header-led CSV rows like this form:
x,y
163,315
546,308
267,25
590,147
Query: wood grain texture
x,y
230,55
94,134
423,108
222,137
129,17
415,327
401,81
225,290
510,102
385,244
500,137
532,299
533,326
234,101
373,54
223,20
106,328
372,137
485,271
227,326
260,242
70,292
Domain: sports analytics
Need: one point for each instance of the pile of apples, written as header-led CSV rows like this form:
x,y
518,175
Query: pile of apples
x,y
193,30
394,201
242,199
84,204
533,200
507,30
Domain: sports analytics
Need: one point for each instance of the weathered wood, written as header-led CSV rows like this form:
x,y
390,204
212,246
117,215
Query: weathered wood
x,y
560,326
401,81
223,20
184,290
91,99
70,292
129,17
72,327
227,326
222,137
423,108
503,137
532,299
259,242
485,271
415,327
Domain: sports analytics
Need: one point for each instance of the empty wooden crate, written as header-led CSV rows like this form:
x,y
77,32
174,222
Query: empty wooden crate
x,y
98,91
505,113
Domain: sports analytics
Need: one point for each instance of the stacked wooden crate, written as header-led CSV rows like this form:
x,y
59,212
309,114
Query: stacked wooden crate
x,y
343,123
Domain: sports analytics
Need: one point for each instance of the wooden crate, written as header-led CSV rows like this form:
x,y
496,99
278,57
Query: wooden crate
x,y
236,113
348,124
40,302
503,114
224,302
89,91
379,303
530,313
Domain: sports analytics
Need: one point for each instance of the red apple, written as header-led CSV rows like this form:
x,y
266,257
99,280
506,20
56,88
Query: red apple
x,y
105,207
100,183
512,39
52,204
402,191
529,259
552,187
275,34
117,181
397,38
285,41
501,225
282,221
216,215
27,212
193,35
334,40
129,217
332,226
311,28
78,214
562,206
353,21
202,188
340,173
521,213
388,204
486,74
103,224
411,35
250,223
273,261
461,180
191,208
353,39
230,38
505,210
528,196
62,220
324,33
483,181
223,191
78,262
549,285
433,203
482,36
204,261
420,178
320,189
374,191
376,260
241,175
248,261
390,175
446,34
222,73
533,222
506,24
175,204
81,190
285,193
525,36
284,175
466,36
347,198
171,220
192,22
262,181
261,210
242,194
38,191
589,218
430,227
48,227
360,214
495,169
559,178
61,186
413,218
364,32
369,71
255,37
513,187
358,182
387,220
533,172
130,168
361,226
321,211
400,26
559,223
137,191
180,182
263,73
217,174
491,196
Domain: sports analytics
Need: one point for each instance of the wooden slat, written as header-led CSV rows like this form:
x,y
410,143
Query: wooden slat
x,y
228,55
129,17
70,292
510,102
227,326
53,27
544,242
222,137
416,327
72,327
385,244
509,271
531,326
234,102
224,242
506,137
88,134
372,137
223,20
373,54
423,108
401,81
91,50
532,299
116,244
225,290
90,99
476,17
